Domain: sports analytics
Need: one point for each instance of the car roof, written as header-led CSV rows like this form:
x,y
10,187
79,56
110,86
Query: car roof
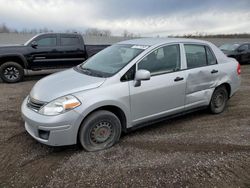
x,y
155,41
49,33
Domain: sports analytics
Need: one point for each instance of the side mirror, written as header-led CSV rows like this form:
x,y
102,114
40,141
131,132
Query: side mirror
x,y
141,75
34,44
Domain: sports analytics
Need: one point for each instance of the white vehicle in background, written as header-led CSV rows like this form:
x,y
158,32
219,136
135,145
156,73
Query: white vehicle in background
x,y
129,84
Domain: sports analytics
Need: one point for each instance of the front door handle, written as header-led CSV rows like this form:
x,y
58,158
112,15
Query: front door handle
x,y
214,71
177,79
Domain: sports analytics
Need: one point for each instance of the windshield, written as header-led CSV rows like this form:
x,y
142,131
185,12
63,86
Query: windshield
x,y
27,43
229,47
110,60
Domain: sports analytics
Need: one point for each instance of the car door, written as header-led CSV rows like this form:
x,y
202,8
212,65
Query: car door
x,y
164,93
71,50
44,54
248,54
202,75
244,53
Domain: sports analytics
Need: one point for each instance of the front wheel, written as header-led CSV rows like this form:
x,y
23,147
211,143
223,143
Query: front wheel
x,y
11,72
219,100
100,130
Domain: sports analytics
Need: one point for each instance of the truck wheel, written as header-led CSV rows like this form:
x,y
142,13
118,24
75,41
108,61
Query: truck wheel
x,y
11,72
101,130
219,100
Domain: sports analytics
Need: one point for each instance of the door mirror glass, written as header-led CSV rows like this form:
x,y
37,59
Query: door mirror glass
x,y
141,75
34,44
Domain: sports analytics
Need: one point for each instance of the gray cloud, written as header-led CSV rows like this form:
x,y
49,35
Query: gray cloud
x,y
113,9
148,17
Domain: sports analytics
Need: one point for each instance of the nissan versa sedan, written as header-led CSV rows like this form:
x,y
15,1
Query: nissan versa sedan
x,y
127,85
239,51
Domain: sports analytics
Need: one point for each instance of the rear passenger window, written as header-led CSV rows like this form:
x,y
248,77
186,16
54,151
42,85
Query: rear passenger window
x,y
196,55
69,41
211,60
162,60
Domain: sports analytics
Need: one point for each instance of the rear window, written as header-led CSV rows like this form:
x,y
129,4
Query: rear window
x,y
69,41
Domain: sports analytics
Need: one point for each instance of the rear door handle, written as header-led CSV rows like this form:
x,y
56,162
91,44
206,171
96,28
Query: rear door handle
x,y
214,71
177,79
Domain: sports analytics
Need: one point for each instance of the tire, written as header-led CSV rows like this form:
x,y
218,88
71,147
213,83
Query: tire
x,y
99,131
219,100
11,72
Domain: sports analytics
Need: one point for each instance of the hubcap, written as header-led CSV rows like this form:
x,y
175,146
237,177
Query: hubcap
x,y
219,100
101,132
11,73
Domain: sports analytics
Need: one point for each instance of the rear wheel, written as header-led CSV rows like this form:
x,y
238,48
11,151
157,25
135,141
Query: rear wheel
x,y
11,72
101,130
219,100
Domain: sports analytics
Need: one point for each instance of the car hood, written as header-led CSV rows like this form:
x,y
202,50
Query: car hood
x,y
11,45
63,83
227,52
8,49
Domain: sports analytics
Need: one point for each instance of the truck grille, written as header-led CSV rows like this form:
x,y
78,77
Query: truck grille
x,y
35,104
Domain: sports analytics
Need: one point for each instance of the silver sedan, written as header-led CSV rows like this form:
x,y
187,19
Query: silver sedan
x,y
129,84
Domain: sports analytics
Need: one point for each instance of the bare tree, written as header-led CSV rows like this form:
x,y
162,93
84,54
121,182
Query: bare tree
x,y
97,32
106,33
4,28
125,33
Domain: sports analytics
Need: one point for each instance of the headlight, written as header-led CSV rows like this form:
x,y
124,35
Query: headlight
x,y
60,105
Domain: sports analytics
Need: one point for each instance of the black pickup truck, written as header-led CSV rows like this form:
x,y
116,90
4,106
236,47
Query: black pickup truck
x,y
44,51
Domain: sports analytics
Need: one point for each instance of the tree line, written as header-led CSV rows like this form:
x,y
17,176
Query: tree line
x,y
107,33
89,32
206,35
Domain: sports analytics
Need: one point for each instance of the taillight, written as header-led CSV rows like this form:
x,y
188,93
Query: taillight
x,y
238,69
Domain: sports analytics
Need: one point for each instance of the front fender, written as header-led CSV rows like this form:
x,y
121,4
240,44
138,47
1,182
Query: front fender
x,y
86,109
20,56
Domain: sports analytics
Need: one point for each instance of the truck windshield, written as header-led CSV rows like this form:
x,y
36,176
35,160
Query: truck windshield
x,y
110,60
29,41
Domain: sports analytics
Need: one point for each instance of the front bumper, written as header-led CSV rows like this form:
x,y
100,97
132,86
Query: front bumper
x,y
57,130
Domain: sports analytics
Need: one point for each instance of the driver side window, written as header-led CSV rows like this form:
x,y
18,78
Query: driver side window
x,y
162,60
243,48
48,41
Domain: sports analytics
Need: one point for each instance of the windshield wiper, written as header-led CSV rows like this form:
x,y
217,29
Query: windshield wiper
x,y
86,70
90,72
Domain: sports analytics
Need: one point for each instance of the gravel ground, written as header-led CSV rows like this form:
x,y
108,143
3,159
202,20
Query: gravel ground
x,y
196,150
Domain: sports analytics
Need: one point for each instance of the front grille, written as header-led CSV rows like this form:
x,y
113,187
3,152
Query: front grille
x,y
35,104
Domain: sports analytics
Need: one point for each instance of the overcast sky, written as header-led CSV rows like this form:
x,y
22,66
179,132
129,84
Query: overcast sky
x,y
147,17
